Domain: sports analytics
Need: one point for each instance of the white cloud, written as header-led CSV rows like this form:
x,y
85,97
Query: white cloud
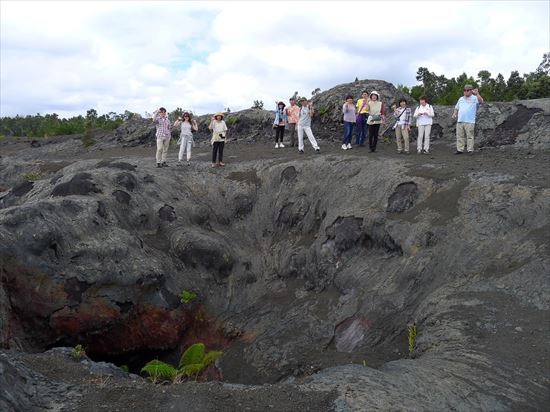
x,y
69,56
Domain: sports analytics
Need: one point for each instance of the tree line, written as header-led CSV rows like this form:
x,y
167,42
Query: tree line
x,y
52,125
444,91
438,88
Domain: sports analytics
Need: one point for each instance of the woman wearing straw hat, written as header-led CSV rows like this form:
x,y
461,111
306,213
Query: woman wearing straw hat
x,y
219,133
375,119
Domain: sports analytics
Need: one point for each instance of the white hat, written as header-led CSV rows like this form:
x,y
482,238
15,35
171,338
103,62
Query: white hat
x,y
374,92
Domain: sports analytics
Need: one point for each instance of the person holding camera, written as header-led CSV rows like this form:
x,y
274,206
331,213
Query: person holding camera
x,y
163,135
219,134
279,124
402,126
187,127
304,125
375,119
465,113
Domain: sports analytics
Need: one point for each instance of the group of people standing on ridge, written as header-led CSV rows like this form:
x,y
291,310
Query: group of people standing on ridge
x,y
366,116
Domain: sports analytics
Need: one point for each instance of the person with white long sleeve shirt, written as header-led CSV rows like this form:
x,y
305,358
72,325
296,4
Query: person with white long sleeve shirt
x,y
188,126
424,115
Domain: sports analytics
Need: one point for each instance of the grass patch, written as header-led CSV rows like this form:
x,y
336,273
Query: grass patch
x,y
31,176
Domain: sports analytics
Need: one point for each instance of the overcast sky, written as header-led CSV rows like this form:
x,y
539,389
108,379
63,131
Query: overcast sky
x,y
67,57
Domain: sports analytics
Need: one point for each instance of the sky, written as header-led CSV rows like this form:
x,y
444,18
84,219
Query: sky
x,y
67,57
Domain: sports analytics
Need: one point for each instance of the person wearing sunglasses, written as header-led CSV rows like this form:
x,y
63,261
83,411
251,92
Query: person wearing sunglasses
x,y
465,113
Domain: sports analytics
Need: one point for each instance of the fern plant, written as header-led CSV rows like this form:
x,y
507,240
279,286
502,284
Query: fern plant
x,y
158,370
192,363
195,359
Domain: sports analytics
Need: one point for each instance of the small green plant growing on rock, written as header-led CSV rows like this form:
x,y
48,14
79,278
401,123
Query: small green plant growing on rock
x,y
412,336
31,176
323,110
159,371
186,296
78,352
195,359
192,363
365,364
232,120
124,368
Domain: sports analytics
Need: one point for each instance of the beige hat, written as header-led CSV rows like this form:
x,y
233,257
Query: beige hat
x,y
218,114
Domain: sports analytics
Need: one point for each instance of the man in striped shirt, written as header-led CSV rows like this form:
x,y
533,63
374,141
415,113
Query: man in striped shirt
x,y
163,135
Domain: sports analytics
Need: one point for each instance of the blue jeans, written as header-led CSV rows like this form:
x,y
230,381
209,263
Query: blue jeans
x,y
361,131
348,132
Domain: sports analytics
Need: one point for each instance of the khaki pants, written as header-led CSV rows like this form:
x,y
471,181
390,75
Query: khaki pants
x,y
402,134
162,149
465,136
423,142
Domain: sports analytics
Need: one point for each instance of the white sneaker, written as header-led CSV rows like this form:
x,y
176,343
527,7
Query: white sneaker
x,y
344,147
281,145
276,145
349,145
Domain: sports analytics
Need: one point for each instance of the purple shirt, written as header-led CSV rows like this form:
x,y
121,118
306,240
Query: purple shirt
x,y
349,112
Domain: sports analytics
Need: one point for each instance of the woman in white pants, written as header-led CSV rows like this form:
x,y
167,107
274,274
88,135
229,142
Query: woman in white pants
x,y
424,115
188,126
304,126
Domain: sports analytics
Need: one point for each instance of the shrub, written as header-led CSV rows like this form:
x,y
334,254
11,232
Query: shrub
x,y
88,138
258,104
232,120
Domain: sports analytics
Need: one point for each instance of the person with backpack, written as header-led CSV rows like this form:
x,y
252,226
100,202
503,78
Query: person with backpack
x,y
219,134
424,115
163,135
304,126
349,111
402,126
361,119
187,127
375,119
279,124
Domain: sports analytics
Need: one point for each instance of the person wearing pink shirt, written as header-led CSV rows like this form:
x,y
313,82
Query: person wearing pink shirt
x,y
292,115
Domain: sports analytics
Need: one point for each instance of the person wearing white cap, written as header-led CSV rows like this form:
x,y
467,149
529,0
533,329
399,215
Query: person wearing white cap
x,y
375,119
465,110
